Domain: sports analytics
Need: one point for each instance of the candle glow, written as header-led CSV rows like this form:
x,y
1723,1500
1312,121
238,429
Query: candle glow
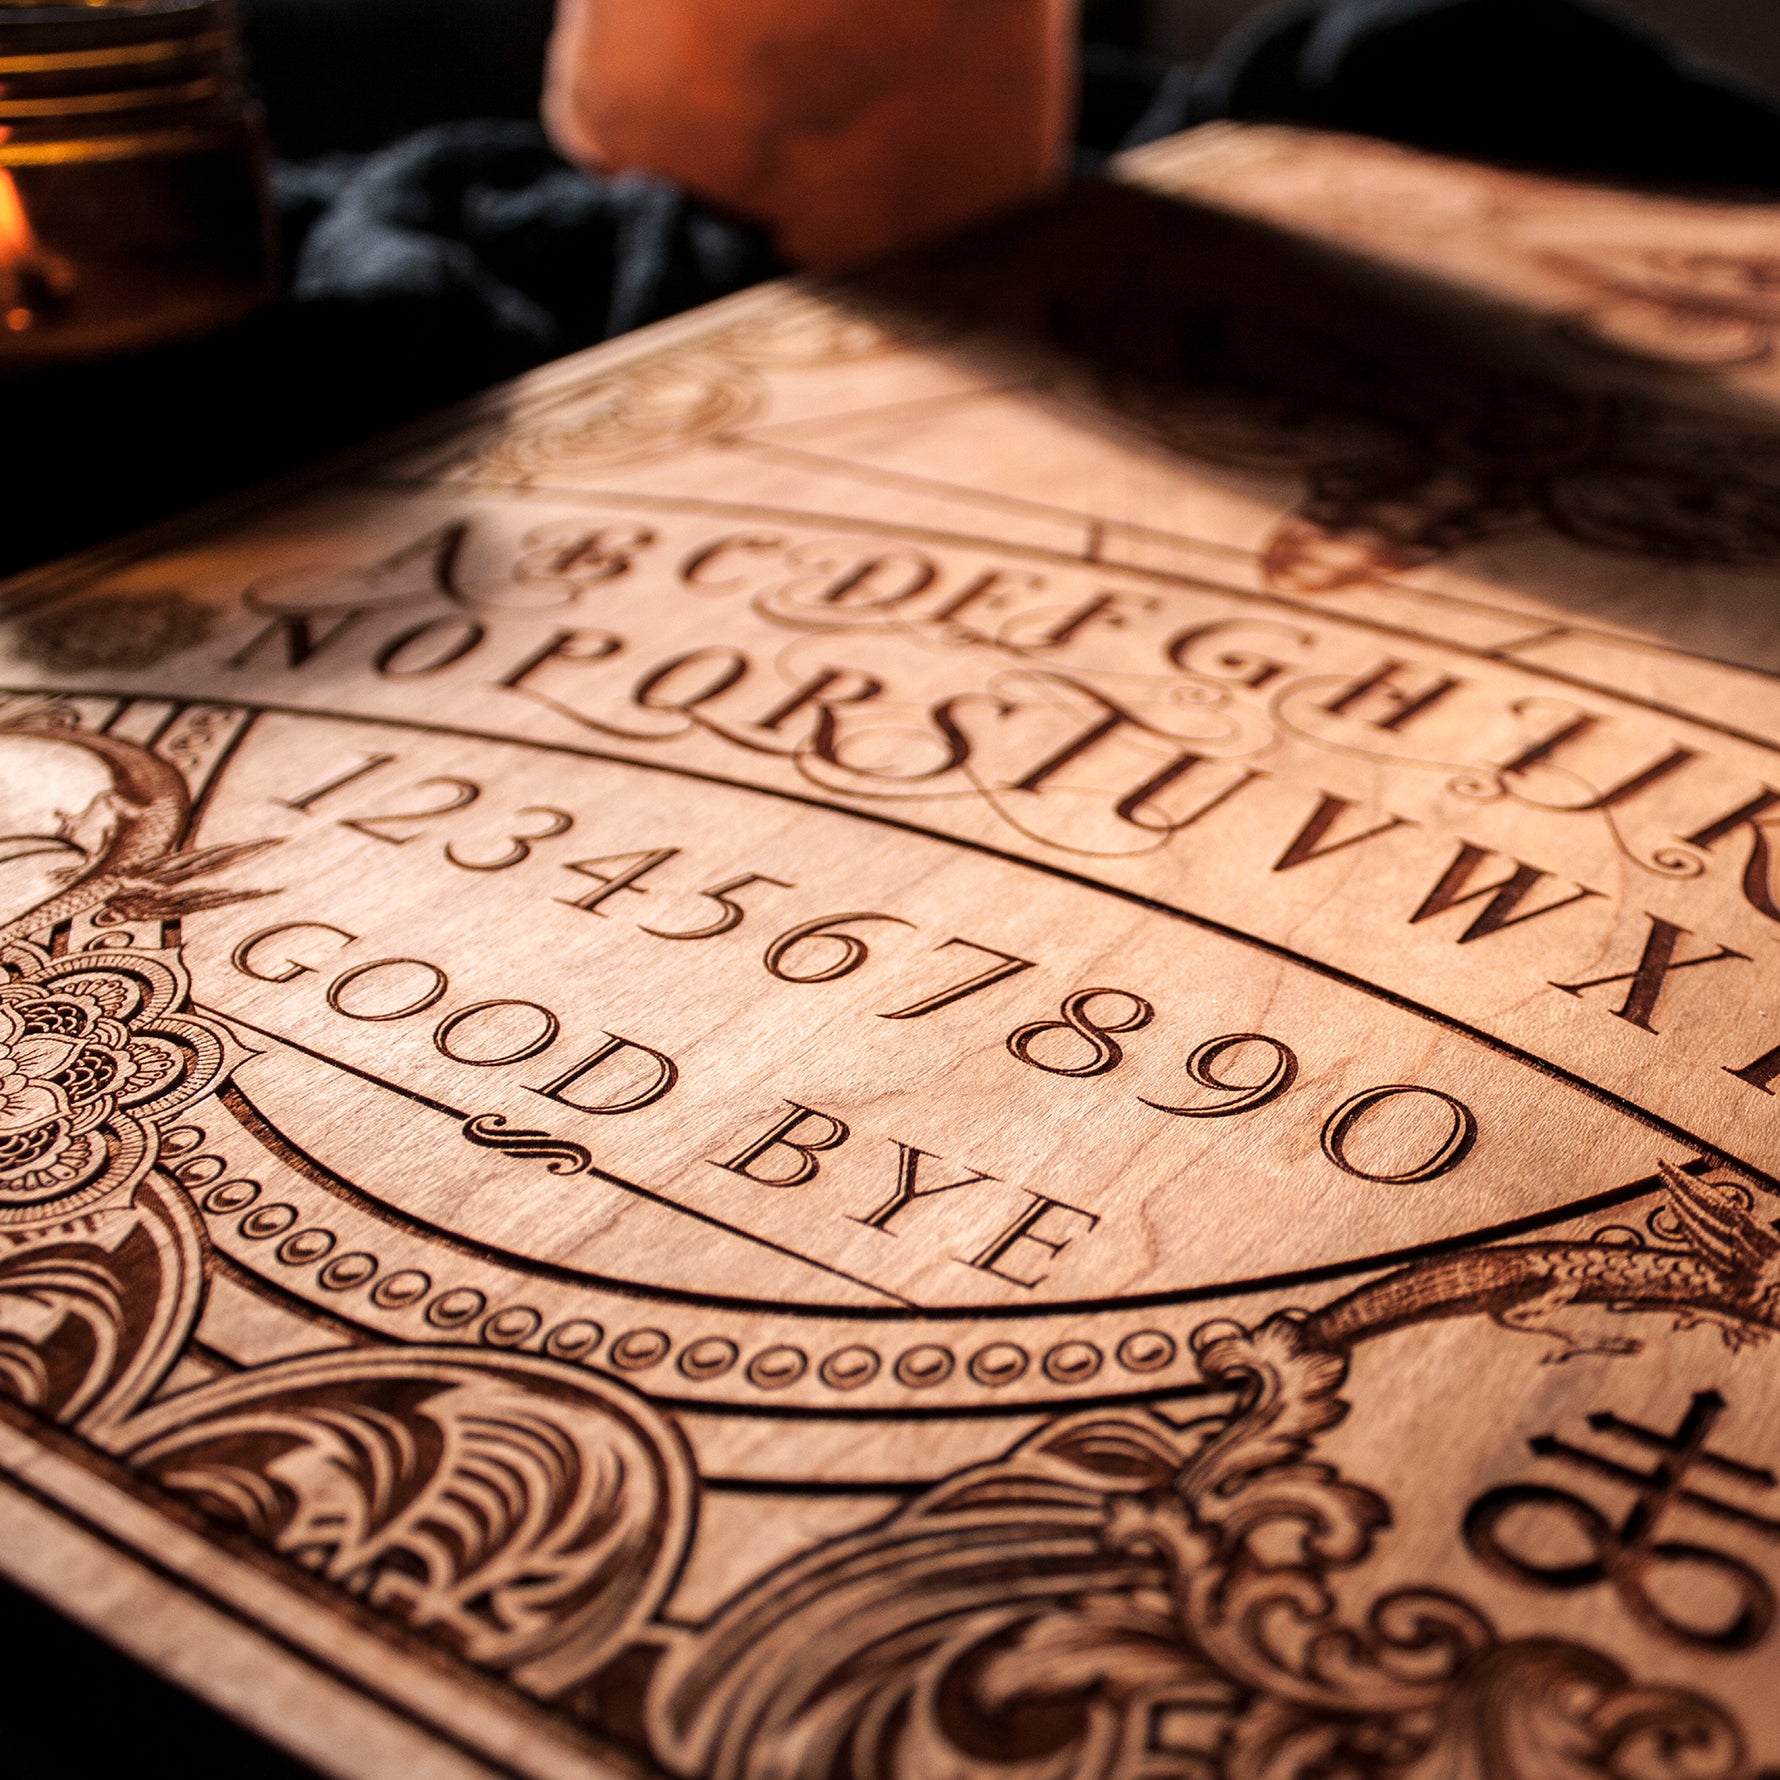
x,y
31,276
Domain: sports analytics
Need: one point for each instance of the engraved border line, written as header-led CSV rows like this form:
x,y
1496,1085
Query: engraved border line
x,y
1333,973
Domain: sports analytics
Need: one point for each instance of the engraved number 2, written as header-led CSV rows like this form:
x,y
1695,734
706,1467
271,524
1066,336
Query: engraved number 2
x,y
460,794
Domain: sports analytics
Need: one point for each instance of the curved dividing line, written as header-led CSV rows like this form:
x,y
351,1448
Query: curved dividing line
x,y
325,1177
317,1173
336,1186
1332,972
1177,580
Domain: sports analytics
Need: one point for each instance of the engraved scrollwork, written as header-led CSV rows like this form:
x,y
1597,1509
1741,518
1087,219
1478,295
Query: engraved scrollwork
x,y
710,385
94,1311
1676,305
1405,459
522,1512
1121,1597
635,411
849,1658
527,1516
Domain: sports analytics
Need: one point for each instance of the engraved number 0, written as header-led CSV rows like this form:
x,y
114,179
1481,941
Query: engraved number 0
x,y
1443,1156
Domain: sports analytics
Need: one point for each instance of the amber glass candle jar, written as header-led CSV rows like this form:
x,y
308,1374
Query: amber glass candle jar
x,y
847,129
131,177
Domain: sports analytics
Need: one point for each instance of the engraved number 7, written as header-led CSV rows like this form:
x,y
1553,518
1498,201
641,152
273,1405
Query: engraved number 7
x,y
731,918
1010,966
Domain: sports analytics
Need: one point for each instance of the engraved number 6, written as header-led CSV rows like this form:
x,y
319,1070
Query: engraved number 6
x,y
853,950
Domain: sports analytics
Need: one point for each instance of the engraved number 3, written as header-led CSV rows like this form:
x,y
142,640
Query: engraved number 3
x,y
555,822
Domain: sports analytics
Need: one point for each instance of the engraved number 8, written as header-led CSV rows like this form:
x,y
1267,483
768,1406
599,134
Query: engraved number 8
x,y
1104,1052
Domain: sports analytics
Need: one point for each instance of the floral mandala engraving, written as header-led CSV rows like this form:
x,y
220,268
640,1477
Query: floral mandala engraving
x,y
95,1059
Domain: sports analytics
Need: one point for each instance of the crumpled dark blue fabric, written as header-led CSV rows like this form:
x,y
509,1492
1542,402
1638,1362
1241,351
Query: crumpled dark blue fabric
x,y
482,220
1564,85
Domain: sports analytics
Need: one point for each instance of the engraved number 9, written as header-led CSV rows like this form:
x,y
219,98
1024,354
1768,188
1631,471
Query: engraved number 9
x,y
1236,1097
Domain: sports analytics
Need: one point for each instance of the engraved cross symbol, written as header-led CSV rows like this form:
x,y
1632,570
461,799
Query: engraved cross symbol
x,y
1629,1555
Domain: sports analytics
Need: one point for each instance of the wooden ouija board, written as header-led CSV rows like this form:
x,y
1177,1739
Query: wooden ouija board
x,y
1016,1019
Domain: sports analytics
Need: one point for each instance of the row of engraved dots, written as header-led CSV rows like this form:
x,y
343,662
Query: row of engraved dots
x,y
774,1368
455,1307
919,1367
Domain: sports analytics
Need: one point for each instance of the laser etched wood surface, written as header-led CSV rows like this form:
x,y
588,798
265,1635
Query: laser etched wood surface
x,y
1018,1019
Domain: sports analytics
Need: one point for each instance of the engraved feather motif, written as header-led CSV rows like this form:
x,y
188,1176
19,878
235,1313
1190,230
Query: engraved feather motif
x,y
1717,1221
133,868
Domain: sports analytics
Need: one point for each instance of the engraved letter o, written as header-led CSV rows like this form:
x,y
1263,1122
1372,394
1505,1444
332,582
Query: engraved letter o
x,y
428,997
546,1037
1451,1151
446,640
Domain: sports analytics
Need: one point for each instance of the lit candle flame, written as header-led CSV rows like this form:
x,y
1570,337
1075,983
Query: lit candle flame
x,y
31,276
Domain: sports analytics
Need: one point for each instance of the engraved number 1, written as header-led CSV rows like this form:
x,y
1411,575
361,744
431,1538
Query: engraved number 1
x,y
309,799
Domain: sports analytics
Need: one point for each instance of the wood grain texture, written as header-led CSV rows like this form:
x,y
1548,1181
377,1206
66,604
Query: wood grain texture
x,y
1016,1018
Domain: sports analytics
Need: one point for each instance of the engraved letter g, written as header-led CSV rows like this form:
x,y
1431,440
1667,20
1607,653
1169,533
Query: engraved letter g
x,y
242,956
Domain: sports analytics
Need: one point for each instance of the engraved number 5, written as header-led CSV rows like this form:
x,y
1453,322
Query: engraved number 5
x,y
721,894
